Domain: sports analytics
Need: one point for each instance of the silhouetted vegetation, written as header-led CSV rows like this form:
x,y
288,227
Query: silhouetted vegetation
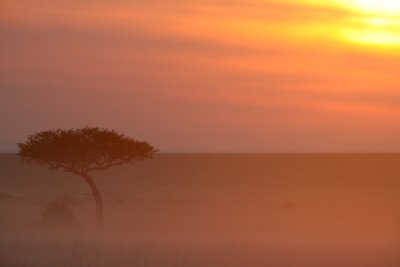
x,y
80,151
58,214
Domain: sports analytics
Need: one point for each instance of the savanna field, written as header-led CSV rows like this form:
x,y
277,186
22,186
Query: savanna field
x,y
278,210
255,111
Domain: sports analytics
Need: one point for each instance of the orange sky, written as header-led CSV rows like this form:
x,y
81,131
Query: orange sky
x,y
205,75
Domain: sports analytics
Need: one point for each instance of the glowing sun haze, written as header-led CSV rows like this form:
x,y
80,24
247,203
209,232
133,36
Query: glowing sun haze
x,y
205,75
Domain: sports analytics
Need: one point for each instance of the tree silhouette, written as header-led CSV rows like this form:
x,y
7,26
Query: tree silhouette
x,y
80,151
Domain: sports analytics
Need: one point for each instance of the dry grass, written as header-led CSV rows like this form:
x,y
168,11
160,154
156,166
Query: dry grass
x,y
73,249
211,211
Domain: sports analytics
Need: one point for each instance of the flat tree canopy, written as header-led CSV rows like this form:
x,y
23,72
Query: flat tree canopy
x,y
80,151
83,150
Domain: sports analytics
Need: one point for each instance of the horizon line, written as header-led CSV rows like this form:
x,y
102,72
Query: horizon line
x,y
260,153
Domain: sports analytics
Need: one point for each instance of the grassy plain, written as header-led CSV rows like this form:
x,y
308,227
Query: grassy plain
x,y
209,210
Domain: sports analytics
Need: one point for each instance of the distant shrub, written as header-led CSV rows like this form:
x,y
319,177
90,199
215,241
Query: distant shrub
x,y
58,214
72,201
289,205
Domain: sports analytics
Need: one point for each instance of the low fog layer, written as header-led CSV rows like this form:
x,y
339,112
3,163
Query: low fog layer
x,y
209,210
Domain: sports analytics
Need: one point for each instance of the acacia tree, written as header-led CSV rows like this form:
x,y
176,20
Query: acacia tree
x,y
81,151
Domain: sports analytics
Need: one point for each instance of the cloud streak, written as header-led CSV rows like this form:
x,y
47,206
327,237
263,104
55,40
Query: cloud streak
x,y
246,75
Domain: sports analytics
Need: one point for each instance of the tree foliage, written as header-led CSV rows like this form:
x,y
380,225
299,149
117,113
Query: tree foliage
x,y
80,151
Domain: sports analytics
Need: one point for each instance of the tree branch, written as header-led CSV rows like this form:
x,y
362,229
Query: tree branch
x,y
100,168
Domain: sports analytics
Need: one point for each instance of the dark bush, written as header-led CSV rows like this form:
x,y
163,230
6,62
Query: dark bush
x,y
58,214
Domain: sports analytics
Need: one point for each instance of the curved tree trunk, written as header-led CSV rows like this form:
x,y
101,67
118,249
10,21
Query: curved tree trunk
x,y
98,199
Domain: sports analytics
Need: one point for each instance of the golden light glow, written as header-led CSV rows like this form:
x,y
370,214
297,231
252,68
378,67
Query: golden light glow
x,y
379,7
377,22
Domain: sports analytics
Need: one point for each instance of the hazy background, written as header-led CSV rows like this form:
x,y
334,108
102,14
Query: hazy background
x,y
203,76
313,198
210,210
